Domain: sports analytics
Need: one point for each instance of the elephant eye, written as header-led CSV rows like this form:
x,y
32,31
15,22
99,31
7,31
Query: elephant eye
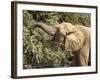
x,y
69,33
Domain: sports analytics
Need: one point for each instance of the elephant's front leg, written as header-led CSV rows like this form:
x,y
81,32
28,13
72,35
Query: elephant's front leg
x,y
81,57
84,55
76,59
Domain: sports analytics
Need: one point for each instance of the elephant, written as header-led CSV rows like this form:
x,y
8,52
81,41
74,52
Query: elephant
x,y
75,38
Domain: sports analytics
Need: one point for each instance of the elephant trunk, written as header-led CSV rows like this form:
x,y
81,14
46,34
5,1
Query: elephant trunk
x,y
51,30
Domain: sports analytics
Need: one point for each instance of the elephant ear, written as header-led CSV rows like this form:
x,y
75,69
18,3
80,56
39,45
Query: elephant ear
x,y
66,28
74,38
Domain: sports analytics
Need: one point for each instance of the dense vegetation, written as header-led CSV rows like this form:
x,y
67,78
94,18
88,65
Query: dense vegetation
x,y
38,49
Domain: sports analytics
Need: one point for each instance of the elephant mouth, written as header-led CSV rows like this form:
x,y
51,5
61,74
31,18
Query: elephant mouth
x,y
59,42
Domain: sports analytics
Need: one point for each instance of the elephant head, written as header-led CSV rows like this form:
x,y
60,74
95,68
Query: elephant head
x,y
70,35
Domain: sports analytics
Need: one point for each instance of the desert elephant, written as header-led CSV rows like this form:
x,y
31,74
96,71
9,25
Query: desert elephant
x,y
76,38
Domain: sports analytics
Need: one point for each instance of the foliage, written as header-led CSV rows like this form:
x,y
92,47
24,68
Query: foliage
x,y
39,51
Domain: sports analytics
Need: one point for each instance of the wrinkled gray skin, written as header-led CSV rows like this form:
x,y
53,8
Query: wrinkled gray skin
x,y
76,38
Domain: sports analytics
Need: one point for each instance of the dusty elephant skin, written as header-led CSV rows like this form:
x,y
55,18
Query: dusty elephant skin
x,y
76,38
